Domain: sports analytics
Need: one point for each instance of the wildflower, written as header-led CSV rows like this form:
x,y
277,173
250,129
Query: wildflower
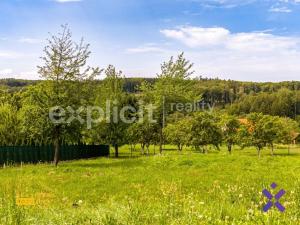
x,y
250,211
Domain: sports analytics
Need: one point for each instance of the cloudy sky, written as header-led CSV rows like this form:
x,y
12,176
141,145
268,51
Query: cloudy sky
x,y
255,40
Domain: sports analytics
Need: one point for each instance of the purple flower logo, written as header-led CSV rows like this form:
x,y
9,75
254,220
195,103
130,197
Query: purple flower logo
x,y
270,197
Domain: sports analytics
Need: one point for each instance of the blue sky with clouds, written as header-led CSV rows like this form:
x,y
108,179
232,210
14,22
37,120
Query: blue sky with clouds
x,y
232,39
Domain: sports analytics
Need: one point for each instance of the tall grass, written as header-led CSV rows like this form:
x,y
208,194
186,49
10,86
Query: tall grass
x,y
173,188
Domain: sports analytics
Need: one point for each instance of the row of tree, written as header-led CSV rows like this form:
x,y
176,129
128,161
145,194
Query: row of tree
x,y
256,129
69,84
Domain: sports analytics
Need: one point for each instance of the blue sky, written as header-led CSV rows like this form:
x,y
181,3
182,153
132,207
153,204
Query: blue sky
x,y
255,40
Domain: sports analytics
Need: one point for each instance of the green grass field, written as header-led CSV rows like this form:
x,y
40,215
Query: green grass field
x,y
173,188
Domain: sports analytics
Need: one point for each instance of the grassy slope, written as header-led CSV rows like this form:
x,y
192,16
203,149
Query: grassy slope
x,y
187,188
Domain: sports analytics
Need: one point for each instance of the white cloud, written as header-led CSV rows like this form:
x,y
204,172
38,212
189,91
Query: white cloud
x,y
6,71
30,75
259,56
30,40
10,55
65,1
290,1
218,37
197,36
148,48
223,3
279,6
9,73
280,9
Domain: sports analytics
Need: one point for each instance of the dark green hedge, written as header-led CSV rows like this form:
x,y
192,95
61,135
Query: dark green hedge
x,y
35,154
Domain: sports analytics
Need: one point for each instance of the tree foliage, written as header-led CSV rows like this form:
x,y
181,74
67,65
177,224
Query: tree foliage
x,y
66,73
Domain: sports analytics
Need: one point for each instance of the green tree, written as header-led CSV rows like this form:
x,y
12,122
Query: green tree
x,y
260,130
145,128
288,131
35,125
284,103
9,126
271,128
298,120
4,95
205,131
112,97
177,133
172,87
66,73
132,137
251,132
230,126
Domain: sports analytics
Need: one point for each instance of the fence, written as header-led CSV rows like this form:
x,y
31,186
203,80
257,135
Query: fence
x,y
35,154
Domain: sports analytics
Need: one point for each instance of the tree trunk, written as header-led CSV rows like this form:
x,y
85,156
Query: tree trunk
x,y
131,150
179,148
56,146
272,149
116,151
143,148
160,141
289,149
229,146
258,152
56,152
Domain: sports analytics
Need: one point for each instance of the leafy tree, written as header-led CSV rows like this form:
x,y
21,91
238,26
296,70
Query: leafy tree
x,y
288,131
230,126
260,130
146,133
145,129
35,125
205,131
177,133
171,87
271,128
283,104
9,126
251,132
111,96
4,95
132,136
66,73
298,120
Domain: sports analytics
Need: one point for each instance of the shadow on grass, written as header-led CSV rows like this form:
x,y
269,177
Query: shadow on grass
x,y
125,156
286,154
112,164
265,154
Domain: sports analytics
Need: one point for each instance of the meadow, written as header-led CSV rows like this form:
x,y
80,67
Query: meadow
x,y
173,188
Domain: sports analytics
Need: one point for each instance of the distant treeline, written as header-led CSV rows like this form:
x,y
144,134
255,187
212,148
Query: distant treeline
x,y
214,87
214,91
16,83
